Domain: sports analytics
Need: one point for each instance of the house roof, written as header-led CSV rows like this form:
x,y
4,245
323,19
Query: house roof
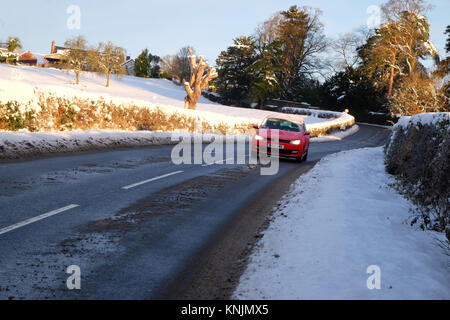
x,y
27,56
55,56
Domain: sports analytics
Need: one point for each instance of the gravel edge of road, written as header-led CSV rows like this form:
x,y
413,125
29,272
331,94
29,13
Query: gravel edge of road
x,y
216,271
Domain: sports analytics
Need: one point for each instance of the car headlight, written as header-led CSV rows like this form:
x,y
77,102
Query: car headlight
x,y
258,138
296,142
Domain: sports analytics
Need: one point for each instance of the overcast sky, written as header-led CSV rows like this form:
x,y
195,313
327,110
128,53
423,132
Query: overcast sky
x,y
165,26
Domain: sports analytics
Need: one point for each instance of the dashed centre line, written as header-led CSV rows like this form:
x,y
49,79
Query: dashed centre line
x,y
151,180
35,219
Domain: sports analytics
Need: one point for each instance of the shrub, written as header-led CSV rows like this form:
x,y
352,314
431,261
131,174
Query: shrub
x,y
418,154
13,117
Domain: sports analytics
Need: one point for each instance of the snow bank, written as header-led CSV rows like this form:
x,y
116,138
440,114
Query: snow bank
x,y
422,118
340,120
332,226
14,145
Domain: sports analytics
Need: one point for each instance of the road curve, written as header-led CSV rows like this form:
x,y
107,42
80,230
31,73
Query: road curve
x,y
137,225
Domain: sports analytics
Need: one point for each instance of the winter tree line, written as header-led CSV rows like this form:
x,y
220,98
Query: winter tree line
x,y
371,72
374,73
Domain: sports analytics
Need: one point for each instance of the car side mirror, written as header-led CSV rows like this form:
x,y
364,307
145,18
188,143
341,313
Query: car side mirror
x,y
255,126
307,133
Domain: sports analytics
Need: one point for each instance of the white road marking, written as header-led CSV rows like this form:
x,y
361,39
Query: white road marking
x,y
217,162
150,180
35,219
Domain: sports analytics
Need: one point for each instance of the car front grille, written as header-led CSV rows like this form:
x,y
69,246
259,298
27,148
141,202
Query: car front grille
x,y
280,140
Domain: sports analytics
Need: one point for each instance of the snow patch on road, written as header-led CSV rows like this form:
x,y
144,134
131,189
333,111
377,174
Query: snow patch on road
x,y
336,221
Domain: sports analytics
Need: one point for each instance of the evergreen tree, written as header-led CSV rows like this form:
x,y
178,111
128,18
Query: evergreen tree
x,y
265,72
352,89
13,44
235,80
301,34
142,64
147,65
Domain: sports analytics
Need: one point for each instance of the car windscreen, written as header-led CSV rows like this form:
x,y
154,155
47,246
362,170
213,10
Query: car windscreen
x,y
281,124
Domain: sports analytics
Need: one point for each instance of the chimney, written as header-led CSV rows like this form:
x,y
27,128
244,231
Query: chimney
x,y
128,58
53,47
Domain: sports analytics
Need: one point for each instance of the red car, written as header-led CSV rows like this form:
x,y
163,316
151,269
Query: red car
x,y
293,139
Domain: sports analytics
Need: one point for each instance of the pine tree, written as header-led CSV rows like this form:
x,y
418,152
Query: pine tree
x,y
265,73
147,65
301,34
13,44
235,81
142,64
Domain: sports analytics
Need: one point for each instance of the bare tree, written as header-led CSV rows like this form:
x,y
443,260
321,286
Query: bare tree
x,y
77,55
346,47
266,32
199,80
394,9
107,59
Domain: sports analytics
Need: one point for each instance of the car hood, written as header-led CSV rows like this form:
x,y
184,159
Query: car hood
x,y
282,134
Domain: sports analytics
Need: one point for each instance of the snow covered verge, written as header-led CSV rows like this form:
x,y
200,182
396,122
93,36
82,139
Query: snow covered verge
x,y
15,145
339,223
41,100
418,154
22,144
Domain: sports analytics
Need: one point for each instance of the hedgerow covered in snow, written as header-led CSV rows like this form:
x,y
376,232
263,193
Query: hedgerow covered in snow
x,y
418,153
338,120
55,113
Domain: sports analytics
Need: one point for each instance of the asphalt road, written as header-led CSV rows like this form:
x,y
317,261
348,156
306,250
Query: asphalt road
x,y
130,219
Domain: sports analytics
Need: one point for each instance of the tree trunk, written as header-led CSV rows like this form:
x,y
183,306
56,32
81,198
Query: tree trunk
x,y
197,81
391,82
107,79
77,73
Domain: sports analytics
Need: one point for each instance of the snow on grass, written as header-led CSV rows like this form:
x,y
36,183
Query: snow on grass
x,y
23,84
337,220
